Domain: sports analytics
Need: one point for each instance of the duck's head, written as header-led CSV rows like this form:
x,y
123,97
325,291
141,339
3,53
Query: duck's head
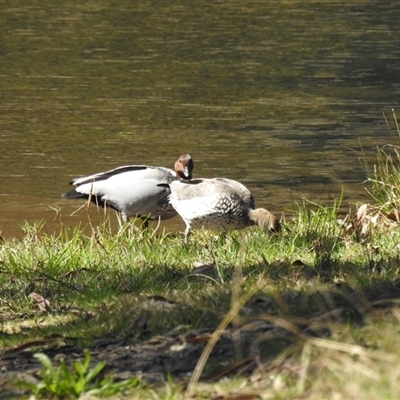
x,y
184,167
265,220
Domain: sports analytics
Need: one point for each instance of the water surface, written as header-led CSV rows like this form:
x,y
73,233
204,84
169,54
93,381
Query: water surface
x,y
278,95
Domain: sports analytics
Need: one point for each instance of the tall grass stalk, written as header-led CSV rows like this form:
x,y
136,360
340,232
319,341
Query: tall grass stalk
x,y
384,176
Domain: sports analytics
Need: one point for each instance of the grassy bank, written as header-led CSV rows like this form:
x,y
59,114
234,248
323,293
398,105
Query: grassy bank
x,y
312,305
311,312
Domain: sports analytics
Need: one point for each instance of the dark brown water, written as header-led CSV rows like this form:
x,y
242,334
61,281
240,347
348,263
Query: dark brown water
x,y
276,94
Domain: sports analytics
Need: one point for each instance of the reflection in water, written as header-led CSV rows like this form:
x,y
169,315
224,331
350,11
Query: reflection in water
x,y
274,94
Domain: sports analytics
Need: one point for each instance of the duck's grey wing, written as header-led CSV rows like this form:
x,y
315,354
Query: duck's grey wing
x,y
107,174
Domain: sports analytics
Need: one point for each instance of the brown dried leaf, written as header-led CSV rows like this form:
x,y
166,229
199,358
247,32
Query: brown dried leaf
x,y
198,339
160,298
41,302
202,269
73,273
393,216
361,213
242,396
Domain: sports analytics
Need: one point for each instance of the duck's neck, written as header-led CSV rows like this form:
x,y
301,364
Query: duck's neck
x,y
181,175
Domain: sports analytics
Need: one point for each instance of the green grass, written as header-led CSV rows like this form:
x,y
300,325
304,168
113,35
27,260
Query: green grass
x,y
99,286
326,288
384,177
61,382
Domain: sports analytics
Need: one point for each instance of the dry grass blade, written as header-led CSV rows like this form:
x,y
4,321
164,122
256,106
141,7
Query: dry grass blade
x,y
352,349
94,230
396,313
218,332
395,121
340,347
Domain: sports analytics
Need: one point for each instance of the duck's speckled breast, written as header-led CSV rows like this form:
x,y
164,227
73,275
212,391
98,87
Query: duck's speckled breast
x,y
210,209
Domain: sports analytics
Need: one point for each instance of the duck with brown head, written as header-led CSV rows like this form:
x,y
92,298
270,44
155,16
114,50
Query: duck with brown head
x,y
133,189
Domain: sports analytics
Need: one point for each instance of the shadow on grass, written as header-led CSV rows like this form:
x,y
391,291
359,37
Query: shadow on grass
x,y
164,330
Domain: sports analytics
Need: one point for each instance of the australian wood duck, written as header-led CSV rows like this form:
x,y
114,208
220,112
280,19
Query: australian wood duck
x,y
133,189
218,204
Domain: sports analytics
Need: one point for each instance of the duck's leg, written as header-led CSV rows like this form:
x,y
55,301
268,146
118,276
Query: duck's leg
x,y
187,233
145,221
